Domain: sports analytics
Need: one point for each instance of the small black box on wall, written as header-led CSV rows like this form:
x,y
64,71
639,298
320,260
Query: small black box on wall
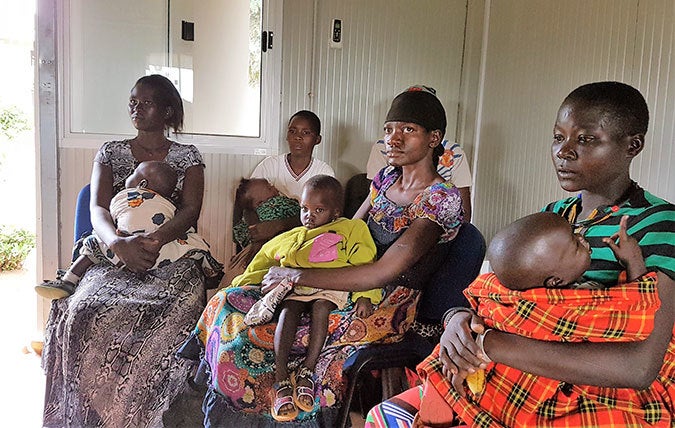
x,y
187,31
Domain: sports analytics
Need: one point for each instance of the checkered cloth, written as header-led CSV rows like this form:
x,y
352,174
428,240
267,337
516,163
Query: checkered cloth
x,y
515,398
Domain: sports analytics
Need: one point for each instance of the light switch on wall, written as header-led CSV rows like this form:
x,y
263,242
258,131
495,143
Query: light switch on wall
x,y
336,34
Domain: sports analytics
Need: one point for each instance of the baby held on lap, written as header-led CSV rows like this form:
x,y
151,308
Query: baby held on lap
x,y
143,206
325,240
541,250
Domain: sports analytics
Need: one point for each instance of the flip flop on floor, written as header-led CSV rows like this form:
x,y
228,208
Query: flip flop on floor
x,y
279,402
303,394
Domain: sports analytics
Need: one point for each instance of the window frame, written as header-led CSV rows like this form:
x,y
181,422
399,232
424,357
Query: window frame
x,y
270,100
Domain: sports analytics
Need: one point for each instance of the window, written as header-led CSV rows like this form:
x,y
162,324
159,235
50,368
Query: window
x,y
210,49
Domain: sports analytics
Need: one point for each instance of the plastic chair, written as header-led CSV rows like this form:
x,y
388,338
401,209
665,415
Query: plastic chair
x,y
82,216
462,265
82,226
356,192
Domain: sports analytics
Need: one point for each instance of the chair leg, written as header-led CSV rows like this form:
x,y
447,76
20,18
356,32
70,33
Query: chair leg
x,y
369,391
393,382
344,411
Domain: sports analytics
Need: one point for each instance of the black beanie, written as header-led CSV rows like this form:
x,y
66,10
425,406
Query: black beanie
x,y
420,106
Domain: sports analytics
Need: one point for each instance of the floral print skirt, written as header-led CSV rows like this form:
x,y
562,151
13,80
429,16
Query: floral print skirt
x,y
241,358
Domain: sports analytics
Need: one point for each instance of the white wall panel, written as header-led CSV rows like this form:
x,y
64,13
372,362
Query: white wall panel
x,y
387,46
74,173
222,176
537,52
655,77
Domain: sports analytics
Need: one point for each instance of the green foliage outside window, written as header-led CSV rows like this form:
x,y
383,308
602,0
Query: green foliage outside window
x,y
15,244
255,24
12,122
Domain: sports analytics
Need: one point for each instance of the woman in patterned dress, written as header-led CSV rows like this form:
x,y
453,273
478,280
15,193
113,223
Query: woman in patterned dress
x,y
109,348
411,213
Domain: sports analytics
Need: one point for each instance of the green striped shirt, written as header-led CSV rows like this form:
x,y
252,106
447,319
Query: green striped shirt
x,y
651,223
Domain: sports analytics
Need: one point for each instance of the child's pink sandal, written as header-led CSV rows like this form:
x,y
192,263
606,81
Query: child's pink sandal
x,y
279,402
304,394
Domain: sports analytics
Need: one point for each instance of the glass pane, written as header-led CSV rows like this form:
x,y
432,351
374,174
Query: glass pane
x,y
217,72
111,45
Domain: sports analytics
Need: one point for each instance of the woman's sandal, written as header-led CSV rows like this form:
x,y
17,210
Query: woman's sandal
x,y
303,394
279,402
56,289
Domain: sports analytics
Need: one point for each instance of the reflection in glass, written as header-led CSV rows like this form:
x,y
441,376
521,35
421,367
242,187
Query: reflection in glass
x,y
218,73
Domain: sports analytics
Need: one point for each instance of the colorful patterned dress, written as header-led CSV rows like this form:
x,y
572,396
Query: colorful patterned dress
x,y
240,359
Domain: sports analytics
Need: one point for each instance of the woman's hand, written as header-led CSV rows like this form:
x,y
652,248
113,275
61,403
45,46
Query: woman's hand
x,y
275,275
153,244
459,352
137,252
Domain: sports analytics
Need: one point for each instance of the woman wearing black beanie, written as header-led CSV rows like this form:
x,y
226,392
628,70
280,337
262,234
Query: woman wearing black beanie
x,y
411,212
419,105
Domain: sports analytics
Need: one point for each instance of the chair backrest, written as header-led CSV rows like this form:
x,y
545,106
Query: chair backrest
x,y
463,259
82,215
356,192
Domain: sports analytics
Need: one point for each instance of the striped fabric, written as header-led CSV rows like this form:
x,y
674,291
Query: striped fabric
x,y
651,222
515,398
395,412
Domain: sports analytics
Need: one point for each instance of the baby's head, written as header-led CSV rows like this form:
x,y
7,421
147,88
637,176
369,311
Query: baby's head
x,y
321,201
538,250
254,191
154,175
